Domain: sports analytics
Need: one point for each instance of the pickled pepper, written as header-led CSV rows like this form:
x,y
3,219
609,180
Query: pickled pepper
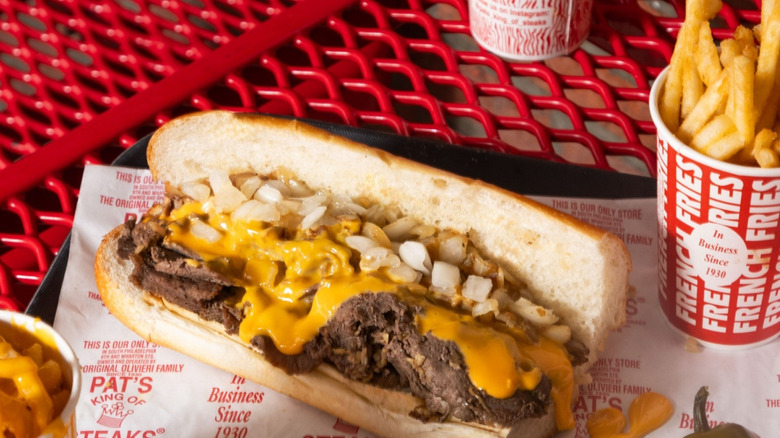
x,y
702,428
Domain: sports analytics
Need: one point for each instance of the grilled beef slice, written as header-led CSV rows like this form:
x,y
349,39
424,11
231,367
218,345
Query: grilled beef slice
x,y
372,338
175,277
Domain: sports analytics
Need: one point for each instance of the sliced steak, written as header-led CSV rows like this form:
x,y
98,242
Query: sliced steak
x,y
377,341
372,338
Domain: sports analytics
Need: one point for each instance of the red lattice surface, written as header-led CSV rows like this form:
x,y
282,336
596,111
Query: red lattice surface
x,y
408,67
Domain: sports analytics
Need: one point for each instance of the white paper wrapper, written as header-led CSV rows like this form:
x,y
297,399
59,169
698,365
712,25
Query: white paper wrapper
x,y
133,388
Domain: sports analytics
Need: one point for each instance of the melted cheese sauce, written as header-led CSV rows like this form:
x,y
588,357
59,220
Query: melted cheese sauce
x,y
647,412
32,406
280,269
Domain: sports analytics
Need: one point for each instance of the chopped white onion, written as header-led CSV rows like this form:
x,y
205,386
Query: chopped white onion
x,y
558,333
477,288
403,273
311,218
445,277
375,215
204,231
197,191
487,306
250,186
533,313
378,257
481,266
423,231
298,189
227,199
372,231
268,193
415,254
226,196
400,229
281,186
453,249
354,207
239,178
219,180
345,204
360,244
502,297
253,210
312,203
287,206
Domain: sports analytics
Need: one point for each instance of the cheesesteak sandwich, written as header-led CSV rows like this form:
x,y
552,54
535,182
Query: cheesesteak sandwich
x,y
401,298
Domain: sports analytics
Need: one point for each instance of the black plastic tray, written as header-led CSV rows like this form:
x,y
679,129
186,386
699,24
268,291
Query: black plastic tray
x,y
524,175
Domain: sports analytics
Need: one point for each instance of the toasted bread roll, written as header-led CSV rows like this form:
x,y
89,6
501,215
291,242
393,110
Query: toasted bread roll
x,y
494,261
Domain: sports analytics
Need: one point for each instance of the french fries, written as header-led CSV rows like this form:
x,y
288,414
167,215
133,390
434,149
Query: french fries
x,y
724,99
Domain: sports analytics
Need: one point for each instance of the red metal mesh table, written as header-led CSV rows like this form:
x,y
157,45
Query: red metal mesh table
x,y
403,66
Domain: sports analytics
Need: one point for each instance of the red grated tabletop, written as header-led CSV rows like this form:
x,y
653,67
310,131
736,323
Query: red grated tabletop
x,y
83,80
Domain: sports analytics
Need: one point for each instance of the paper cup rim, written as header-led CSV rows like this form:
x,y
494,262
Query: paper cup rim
x,y
667,135
32,324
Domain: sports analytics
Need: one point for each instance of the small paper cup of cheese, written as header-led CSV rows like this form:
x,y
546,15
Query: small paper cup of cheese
x,y
40,379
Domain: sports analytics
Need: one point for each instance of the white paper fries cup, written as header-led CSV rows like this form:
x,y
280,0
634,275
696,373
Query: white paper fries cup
x,y
718,244
522,30
21,331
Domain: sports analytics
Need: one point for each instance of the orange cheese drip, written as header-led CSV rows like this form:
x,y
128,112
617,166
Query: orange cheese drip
x,y
36,402
647,412
492,358
276,273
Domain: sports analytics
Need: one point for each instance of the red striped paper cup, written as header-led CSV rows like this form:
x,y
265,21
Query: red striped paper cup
x,y
719,244
530,30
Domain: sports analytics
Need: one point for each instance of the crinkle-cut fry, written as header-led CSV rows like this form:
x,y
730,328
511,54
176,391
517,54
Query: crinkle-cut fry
x,y
705,108
707,59
725,148
717,128
767,65
696,13
741,91
693,88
